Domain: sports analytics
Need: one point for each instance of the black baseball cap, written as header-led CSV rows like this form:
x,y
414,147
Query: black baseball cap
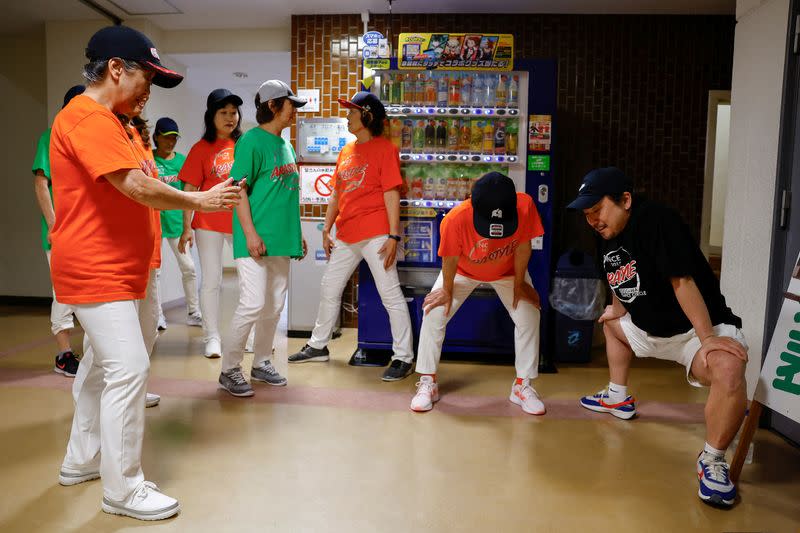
x,y
126,43
365,101
219,97
494,206
71,93
167,126
600,182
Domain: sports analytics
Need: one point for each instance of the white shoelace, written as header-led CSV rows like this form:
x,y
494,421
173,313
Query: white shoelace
x,y
526,391
425,387
237,377
144,489
716,470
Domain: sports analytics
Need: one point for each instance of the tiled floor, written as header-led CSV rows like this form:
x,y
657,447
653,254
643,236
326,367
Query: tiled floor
x,y
338,450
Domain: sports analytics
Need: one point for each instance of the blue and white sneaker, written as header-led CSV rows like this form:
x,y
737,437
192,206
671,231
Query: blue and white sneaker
x,y
600,403
716,487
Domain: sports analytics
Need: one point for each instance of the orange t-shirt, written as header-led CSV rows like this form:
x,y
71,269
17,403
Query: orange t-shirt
x,y
207,165
147,155
481,258
112,234
363,173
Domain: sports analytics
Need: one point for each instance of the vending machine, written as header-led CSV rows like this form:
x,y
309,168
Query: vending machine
x,y
453,120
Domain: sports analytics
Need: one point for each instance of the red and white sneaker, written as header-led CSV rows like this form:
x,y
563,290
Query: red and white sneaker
x,y
427,394
525,396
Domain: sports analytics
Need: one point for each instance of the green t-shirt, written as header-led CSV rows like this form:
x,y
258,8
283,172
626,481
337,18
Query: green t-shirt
x,y
273,189
172,219
42,162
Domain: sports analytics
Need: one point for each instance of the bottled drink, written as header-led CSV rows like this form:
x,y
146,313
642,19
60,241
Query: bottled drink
x,y
490,86
464,137
440,175
442,87
478,89
420,89
487,146
476,136
454,94
501,92
500,137
512,132
416,183
405,136
430,90
396,89
441,137
409,89
429,187
452,136
466,90
419,136
430,136
396,132
513,92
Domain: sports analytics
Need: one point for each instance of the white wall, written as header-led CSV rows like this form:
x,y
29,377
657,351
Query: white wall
x,y
721,143
758,66
23,84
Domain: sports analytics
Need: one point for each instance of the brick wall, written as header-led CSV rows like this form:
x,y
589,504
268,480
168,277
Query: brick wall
x,y
632,91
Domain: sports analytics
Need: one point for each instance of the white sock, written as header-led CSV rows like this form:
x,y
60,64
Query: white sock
x,y
617,393
710,450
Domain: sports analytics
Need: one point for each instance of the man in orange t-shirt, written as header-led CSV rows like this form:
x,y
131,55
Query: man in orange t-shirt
x,y
103,200
365,206
486,239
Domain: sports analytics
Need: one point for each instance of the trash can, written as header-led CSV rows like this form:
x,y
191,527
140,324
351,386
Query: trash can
x,y
577,298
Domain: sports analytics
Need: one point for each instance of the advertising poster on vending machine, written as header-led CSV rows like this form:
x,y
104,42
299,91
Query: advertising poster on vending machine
x,y
456,51
539,133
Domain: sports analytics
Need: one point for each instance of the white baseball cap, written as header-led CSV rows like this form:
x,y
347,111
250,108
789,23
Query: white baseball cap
x,y
272,89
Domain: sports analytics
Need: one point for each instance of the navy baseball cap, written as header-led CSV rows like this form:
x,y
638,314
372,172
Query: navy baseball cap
x,y
494,206
167,126
219,97
71,93
126,43
600,182
365,101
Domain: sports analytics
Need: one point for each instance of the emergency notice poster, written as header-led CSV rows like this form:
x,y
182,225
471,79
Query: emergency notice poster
x,y
456,51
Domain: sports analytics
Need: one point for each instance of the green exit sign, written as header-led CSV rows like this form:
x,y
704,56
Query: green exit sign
x,y
539,162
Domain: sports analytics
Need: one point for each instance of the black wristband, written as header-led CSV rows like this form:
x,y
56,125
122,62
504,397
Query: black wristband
x,y
395,237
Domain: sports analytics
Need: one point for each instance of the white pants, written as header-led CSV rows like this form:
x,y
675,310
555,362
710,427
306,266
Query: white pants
x,y
263,284
60,314
525,317
188,277
209,248
109,393
344,260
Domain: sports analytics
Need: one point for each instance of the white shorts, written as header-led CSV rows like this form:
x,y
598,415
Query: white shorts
x,y
680,348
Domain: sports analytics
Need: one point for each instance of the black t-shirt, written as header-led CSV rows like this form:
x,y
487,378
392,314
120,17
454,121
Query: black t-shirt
x,y
656,245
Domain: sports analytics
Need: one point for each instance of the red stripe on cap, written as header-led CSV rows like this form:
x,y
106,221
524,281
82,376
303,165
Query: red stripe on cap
x,y
163,70
348,104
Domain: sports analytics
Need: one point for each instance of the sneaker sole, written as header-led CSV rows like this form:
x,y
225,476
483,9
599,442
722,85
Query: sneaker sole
x,y
316,359
392,378
238,394
599,409
212,356
161,514
513,399
68,480
63,372
148,405
281,384
714,500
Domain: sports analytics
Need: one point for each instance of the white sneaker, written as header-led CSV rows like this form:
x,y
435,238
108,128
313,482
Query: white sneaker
x,y
195,319
213,349
427,394
162,323
146,503
152,400
70,476
525,396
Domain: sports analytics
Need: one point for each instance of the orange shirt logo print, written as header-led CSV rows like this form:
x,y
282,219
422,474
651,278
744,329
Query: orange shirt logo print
x,y
480,253
352,174
223,162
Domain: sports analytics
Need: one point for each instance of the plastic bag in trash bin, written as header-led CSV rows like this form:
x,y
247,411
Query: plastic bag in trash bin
x,y
578,298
